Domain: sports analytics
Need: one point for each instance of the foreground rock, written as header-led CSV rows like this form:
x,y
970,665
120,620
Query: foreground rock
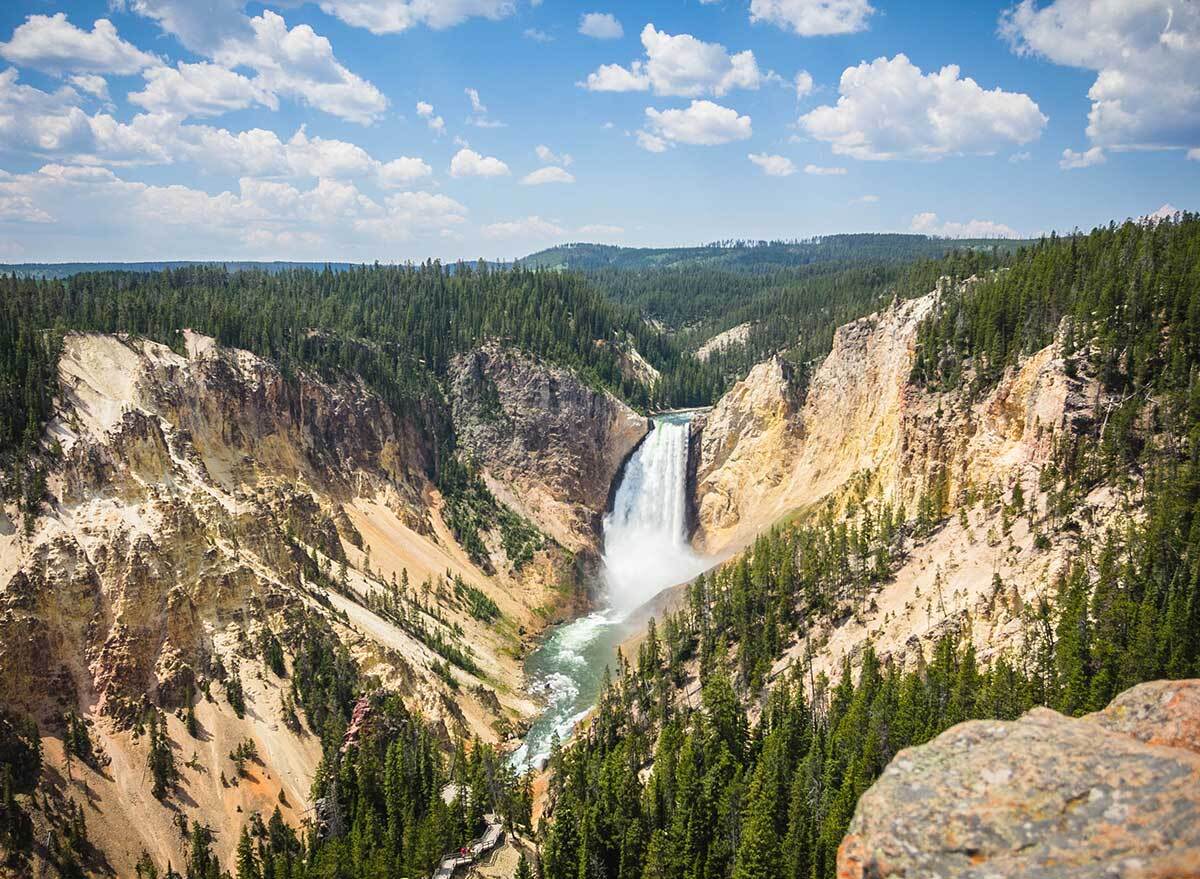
x,y
1113,794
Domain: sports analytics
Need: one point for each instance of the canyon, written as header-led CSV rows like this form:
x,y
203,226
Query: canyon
x,y
203,504
864,434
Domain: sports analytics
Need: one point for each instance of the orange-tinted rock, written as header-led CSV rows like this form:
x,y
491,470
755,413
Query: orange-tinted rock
x,y
1044,797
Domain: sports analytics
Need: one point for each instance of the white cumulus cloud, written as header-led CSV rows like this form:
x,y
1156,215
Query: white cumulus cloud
x,y
403,171
201,89
1085,159
90,83
823,170
889,109
53,125
803,83
813,18
436,123
927,224
601,26
468,163
651,143
90,211
679,64
549,174
1146,56
773,166
702,122
550,157
296,63
300,63
52,44
395,16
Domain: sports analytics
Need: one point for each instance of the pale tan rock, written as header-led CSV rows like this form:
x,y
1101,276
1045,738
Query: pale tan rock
x,y
191,490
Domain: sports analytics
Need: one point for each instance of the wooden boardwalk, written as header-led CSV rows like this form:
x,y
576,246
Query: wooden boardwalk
x,y
467,856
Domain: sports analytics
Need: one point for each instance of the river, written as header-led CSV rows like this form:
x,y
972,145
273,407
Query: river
x,y
645,550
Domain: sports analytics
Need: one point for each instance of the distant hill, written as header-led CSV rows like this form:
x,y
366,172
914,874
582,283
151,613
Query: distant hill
x,y
751,256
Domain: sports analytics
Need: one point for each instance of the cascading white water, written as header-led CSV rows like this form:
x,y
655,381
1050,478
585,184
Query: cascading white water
x,y
645,552
645,533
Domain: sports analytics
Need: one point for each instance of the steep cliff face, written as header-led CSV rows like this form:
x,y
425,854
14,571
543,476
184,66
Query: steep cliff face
x,y
742,450
863,419
1115,793
202,504
864,431
549,445
754,469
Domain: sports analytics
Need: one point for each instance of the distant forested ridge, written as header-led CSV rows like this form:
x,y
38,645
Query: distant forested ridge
x,y
792,296
760,256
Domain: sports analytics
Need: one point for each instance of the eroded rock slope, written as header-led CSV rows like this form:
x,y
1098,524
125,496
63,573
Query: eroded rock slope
x,y
864,435
549,445
201,506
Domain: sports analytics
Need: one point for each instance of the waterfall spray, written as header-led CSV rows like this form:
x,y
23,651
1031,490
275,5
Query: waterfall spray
x,y
645,533
645,551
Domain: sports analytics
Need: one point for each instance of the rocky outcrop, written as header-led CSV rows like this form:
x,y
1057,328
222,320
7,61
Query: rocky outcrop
x,y
733,337
1113,794
864,439
744,446
549,445
186,486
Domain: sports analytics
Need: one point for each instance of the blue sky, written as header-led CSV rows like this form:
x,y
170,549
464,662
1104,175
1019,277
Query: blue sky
x,y
405,129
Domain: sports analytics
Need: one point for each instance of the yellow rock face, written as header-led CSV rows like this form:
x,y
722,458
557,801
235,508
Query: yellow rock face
x,y
764,452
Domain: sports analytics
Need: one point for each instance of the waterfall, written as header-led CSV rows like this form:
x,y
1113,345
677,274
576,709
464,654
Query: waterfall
x,y
645,534
645,551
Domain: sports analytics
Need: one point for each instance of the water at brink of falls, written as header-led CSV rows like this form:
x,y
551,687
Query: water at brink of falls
x,y
645,551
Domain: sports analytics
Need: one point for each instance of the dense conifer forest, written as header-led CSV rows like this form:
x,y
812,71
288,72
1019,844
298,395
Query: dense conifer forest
x,y
762,257
397,328
792,296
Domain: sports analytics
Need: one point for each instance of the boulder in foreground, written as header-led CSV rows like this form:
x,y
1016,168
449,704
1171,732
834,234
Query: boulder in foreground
x,y
1113,794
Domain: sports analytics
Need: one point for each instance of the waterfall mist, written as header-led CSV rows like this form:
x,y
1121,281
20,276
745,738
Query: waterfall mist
x,y
645,552
645,534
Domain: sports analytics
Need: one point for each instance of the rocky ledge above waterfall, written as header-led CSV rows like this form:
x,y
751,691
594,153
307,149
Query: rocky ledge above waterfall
x,y
549,445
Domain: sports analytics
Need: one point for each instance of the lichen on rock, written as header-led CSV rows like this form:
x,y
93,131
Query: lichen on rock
x,y
1113,794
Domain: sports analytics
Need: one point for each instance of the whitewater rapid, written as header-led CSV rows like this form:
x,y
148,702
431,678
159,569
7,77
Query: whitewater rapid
x,y
645,550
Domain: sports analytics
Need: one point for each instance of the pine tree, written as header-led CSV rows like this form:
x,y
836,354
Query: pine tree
x,y
523,871
161,759
247,862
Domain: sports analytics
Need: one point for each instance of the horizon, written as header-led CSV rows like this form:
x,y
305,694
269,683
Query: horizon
x,y
398,132
515,261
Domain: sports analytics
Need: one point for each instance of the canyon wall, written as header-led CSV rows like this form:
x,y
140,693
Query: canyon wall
x,y
549,445
863,431
200,503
